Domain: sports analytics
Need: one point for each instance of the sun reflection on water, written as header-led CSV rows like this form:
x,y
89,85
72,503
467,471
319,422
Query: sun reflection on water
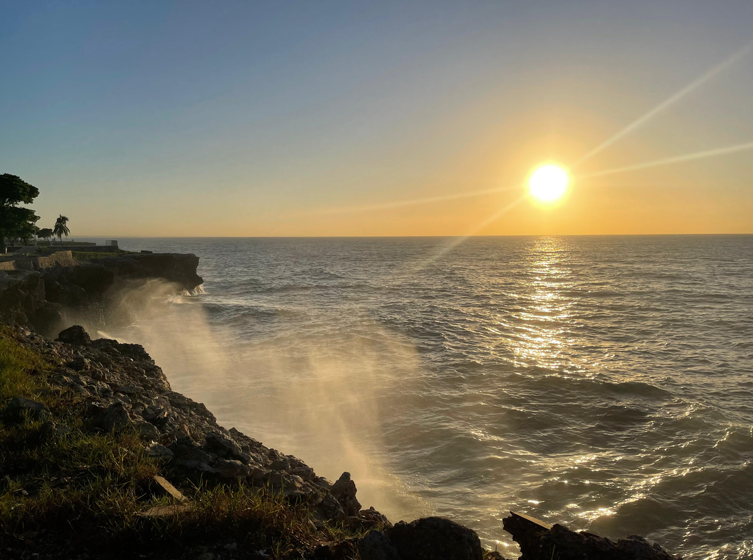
x,y
541,321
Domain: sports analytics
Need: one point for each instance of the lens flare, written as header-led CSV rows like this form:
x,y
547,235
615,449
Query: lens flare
x,y
548,183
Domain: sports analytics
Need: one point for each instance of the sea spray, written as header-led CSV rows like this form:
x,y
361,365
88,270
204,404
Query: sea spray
x,y
296,392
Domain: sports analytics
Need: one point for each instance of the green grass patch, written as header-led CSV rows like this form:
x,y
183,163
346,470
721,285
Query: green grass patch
x,y
21,370
79,487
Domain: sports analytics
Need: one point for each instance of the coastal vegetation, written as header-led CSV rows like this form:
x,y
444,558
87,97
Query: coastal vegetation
x,y
61,227
68,486
16,221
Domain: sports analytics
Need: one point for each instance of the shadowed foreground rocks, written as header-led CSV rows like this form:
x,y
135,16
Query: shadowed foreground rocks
x,y
541,541
119,389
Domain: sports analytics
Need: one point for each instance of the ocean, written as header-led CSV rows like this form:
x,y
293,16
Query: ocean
x,y
604,383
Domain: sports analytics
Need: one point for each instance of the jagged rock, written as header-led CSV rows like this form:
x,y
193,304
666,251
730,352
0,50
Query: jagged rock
x,y
226,447
20,407
377,546
147,431
79,363
372,518
156,415
230,468
344,490
128,389
159,451
330,508
75,335
115,418
539,540
434,538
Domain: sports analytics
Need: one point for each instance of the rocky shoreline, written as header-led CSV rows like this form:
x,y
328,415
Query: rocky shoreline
x,y
103,388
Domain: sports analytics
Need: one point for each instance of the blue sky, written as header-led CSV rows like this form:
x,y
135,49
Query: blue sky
x,y
260,118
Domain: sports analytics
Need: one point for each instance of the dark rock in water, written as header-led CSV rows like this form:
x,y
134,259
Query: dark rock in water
x,y
377,546
344,490
75,335
20,407
541,541
434,538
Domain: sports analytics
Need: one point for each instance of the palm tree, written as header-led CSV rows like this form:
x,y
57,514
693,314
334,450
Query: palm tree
x,y
61,228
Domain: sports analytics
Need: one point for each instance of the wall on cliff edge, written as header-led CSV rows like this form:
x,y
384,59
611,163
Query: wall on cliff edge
x,y
53,292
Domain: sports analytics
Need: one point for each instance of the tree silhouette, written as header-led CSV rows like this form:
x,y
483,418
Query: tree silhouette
x,y
15,221
61,228
45,233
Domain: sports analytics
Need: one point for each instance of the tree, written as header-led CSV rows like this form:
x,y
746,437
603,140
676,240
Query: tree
x,y
45,233
15,221
61,228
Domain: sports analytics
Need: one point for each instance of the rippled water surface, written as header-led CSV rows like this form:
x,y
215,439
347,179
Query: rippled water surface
x,y
600,382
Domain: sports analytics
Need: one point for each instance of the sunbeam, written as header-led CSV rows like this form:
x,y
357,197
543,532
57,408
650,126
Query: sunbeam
x,y
458,240
667,103
668,161
411,202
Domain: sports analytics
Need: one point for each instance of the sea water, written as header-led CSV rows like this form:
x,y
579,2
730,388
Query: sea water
x,y
604,383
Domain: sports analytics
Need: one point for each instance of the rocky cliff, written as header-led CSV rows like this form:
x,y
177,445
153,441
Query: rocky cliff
x,y
49,292
100,458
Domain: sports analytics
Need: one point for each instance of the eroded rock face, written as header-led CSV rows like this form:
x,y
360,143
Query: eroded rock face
x,y
22,301
89,291
434,538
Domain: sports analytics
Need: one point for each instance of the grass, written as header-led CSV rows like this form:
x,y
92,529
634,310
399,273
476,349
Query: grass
x,y
83,488
21,370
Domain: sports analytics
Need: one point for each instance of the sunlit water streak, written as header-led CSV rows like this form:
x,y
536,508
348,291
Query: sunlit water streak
x,y
600,382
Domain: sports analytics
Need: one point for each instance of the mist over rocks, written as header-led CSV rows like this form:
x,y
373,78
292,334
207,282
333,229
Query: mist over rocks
x,y
94,293
124,389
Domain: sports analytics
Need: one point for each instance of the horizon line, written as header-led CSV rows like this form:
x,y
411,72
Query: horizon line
x,y
410,236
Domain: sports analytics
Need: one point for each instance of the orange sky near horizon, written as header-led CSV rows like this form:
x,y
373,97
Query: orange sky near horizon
x,y
186,120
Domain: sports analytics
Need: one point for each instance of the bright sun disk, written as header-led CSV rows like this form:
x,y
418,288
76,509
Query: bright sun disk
x,y
548,183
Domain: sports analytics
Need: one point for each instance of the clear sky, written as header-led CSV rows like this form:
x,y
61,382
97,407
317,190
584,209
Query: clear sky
x,y
224,118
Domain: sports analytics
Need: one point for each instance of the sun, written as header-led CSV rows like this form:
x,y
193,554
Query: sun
x,y
548,183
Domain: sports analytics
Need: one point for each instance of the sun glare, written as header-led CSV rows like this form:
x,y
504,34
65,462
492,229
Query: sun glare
x,y
548,183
